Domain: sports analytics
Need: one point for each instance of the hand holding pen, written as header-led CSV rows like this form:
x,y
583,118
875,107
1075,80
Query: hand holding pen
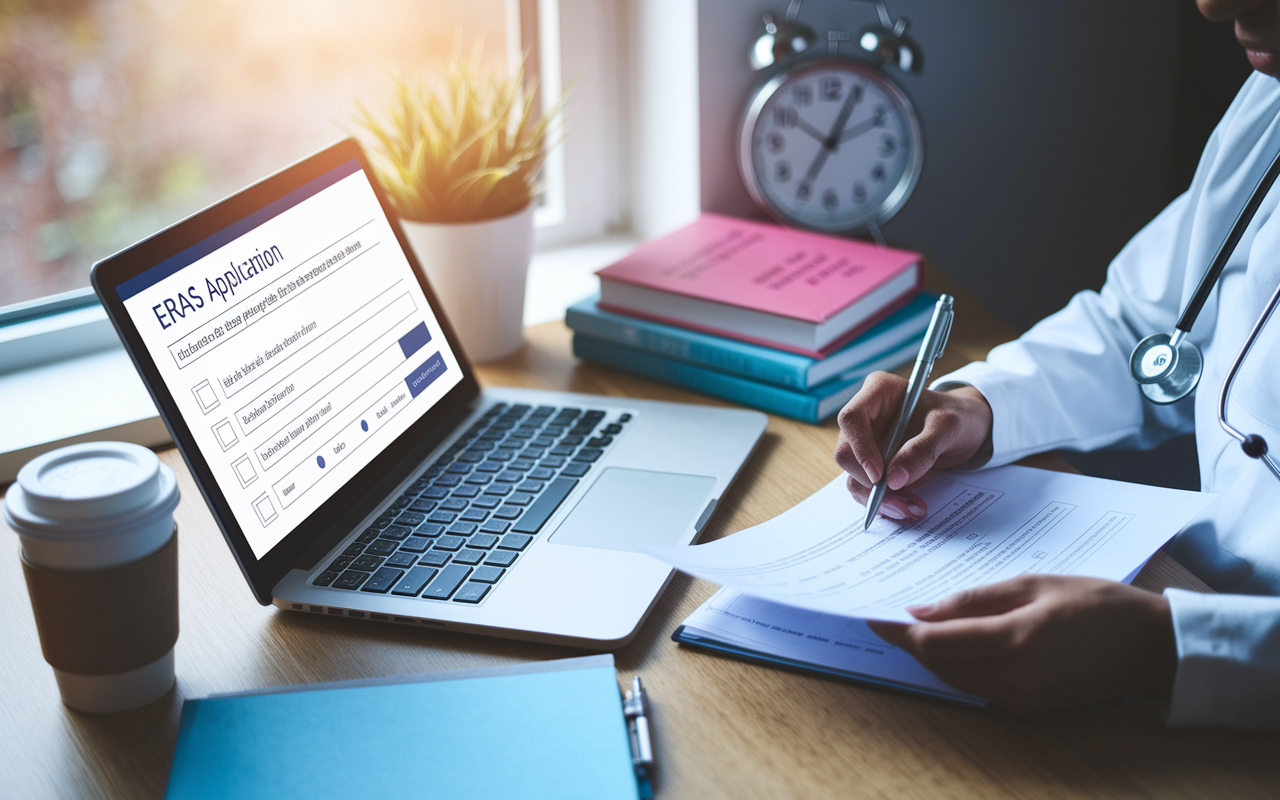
x,y
947,429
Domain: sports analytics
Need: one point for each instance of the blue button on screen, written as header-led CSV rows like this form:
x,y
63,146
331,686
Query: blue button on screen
x,y
425,375
415,340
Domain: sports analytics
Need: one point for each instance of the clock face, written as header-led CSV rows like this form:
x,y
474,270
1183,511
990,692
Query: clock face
x,y
833,146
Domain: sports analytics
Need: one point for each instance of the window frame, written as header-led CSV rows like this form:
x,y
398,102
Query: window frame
x,y
578,52
53,328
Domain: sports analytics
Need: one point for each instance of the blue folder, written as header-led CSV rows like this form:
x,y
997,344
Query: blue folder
x,y
549,730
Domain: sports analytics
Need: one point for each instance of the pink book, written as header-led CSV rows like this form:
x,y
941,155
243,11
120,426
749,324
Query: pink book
x,y
799,291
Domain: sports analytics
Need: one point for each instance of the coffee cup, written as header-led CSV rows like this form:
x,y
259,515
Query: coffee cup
x,y
100,555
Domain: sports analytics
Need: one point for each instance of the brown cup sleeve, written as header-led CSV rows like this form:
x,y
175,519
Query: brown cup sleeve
x,y
107,621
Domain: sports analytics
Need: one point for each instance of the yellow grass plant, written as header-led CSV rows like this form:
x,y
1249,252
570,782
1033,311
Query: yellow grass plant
x,y
464,149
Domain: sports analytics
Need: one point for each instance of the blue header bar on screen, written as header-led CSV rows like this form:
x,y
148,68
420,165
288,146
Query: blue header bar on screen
x,y
234,231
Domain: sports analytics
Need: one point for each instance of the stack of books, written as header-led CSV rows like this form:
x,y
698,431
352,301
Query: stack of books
x,y
785,321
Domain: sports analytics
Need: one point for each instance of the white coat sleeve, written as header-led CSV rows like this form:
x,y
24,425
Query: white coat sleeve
x,y
1065,383
1228,661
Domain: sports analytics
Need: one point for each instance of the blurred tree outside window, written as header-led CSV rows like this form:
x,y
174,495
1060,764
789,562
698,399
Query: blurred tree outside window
x,y
121,117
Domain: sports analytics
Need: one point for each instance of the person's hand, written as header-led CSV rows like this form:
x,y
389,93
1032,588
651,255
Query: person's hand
x,y
1044,642
947,430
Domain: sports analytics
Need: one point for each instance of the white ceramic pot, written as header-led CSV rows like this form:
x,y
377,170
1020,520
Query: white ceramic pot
x,y
478,271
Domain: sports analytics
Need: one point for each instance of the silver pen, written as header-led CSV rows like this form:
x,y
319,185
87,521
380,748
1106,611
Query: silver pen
x,y
633,708
935,341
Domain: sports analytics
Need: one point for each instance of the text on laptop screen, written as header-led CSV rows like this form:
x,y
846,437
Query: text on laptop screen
x,y
297,344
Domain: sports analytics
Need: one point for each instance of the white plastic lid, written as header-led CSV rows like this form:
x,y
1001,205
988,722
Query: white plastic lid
x,y
110,501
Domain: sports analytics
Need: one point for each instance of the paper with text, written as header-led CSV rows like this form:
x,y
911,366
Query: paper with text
x,y
982,527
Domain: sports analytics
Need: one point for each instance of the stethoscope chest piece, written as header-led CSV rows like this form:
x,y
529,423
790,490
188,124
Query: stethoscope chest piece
x,y
1167,368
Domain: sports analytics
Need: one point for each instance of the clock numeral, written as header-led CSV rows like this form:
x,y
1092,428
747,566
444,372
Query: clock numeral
x,y
859,193
830,200
881,116
803,95
888,145
782,171
831,88
776,142
878,173
785,117
802,191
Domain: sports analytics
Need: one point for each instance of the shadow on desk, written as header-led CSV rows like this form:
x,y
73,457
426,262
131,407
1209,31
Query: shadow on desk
x,y
131,750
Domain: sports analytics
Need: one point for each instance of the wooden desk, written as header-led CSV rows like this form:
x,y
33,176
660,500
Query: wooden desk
x,y
723,728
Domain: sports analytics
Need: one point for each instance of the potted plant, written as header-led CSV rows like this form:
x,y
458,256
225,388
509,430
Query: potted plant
x,y
460,162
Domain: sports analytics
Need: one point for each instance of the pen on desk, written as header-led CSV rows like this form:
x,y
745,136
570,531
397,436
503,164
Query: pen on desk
x,y
633,707
935,341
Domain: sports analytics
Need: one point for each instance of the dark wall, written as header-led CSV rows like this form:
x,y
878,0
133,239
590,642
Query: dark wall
x,y
1212,68
1053,131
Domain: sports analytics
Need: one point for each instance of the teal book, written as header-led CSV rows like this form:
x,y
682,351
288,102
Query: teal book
x,y
745,359
813,405
549,730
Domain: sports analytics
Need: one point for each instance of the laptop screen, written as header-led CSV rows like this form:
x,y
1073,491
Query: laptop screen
x,y
297,344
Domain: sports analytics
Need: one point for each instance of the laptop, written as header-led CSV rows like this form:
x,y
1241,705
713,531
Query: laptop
x,y
336,430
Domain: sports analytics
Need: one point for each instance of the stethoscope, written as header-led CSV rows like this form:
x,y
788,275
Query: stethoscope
x,y
1168,367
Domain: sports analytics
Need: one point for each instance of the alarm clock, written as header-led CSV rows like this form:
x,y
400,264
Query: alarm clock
x,y
832,143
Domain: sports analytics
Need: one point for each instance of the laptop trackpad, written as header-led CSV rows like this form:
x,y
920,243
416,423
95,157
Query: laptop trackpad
x,y
629,507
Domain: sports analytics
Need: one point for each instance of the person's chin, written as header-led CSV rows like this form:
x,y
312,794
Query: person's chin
x,y
1266,62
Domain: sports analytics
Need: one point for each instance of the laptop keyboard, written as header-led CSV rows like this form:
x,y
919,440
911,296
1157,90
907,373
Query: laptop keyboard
x,y
458,529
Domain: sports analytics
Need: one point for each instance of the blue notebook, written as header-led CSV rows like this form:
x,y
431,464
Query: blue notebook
x,y
753,629
549,730
813,405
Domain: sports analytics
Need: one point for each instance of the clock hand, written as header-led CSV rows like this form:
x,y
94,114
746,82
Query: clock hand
x,y
855,94
802,191
858,130
812,131
829,143
818,162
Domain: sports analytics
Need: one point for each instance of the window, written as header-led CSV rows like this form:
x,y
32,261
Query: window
x,y
120,117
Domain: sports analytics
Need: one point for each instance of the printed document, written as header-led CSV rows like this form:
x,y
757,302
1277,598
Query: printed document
x,y
982,527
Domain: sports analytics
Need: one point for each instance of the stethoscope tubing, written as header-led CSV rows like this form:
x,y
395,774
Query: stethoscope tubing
x,y
1219,263
1231,377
